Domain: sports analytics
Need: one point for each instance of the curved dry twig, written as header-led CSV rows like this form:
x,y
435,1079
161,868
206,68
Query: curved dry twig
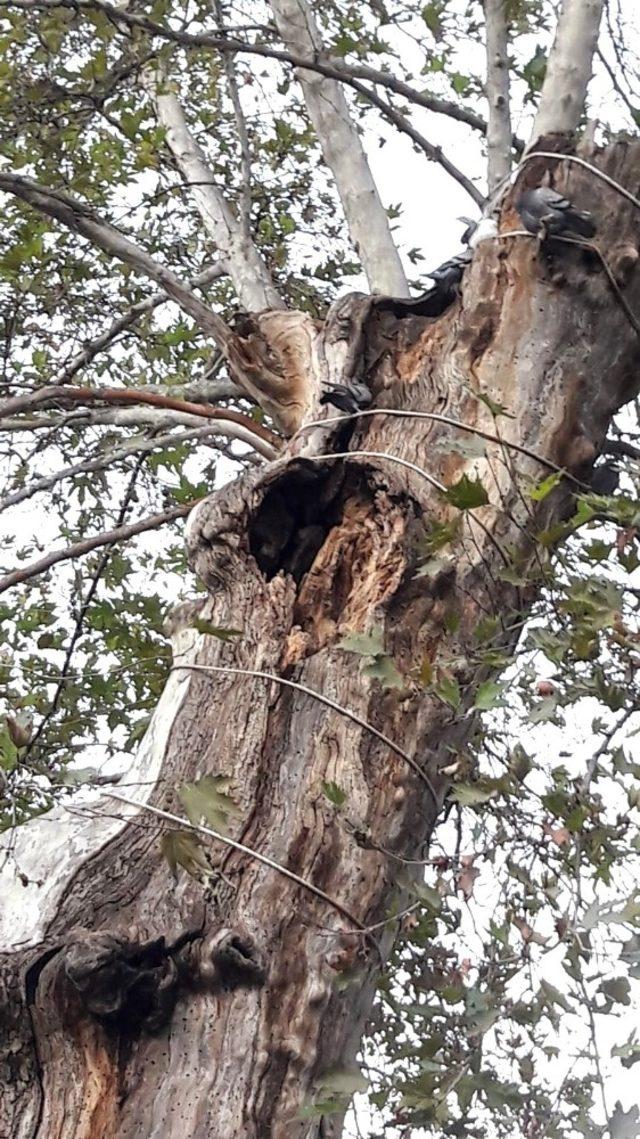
x,y
199,828
413,764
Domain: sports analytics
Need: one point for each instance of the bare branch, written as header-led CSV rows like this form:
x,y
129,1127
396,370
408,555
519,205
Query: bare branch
x,y
241,127
198,828
434,153
53,395
86,545
499,133
81,219
250,276
562,100
127,321
332,69
344,154
134,417
136,446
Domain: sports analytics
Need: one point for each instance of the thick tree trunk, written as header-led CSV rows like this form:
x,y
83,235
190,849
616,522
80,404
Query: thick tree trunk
x,y
260,987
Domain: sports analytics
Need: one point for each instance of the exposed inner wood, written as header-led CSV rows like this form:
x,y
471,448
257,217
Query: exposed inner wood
x,y
297,557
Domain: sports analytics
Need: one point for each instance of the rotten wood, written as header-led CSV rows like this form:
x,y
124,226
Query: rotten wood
x,y
298,555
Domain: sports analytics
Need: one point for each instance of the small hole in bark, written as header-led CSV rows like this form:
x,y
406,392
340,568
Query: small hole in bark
x,y
294,518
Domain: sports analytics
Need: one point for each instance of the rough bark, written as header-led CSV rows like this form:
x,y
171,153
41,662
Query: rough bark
x,y
138,1007
499,133
344,153
562,101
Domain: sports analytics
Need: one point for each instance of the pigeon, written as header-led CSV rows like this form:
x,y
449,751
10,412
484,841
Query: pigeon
x,y
449,275
350,398
545,212
469,231
478,231
605,479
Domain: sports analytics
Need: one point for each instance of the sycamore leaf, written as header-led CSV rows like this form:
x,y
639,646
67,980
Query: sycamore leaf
x,y
488,695
540,491
554,996
624,1124
467,493
342,1081
183,848
471,794
616,990
629,1052
495,408
334,794
207,801
321,1108
448,690
364,644
382,668
216,630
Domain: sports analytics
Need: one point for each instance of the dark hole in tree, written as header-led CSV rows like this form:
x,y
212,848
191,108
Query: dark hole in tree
x,y
295,516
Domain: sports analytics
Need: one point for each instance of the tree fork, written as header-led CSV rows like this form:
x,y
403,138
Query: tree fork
x,y
297,556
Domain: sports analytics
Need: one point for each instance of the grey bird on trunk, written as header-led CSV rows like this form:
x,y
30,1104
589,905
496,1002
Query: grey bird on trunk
x,y
449,275
546,212
350,398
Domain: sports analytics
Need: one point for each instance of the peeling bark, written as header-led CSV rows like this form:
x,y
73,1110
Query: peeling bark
x,y
297,555
562,101
499,133
344,153
251,278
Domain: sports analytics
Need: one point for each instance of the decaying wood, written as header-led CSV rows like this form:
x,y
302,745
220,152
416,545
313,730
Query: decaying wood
x,y
296,556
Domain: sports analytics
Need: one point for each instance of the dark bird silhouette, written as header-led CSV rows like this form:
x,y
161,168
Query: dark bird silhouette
x,y
471,227
546,212
605,478
478,231
449,275
349,398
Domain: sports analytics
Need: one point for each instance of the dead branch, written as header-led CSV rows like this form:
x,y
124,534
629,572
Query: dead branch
x,y
58,394
86,545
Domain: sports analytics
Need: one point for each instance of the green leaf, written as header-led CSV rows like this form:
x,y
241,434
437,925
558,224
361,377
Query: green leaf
x,y
216,630
183,848
539,492
488,695
629,1053
334,794
467,494
448,690
342,1081
207,801
553,996
363,644
383,668
471,794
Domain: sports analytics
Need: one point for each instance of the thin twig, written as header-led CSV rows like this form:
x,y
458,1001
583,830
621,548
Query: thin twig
x,y
127,320
135,446
433,153
449,422
333,69
239,846
86,545
52,394
79,621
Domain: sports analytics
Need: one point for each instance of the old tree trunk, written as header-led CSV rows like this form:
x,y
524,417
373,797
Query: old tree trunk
x,y
136,1005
